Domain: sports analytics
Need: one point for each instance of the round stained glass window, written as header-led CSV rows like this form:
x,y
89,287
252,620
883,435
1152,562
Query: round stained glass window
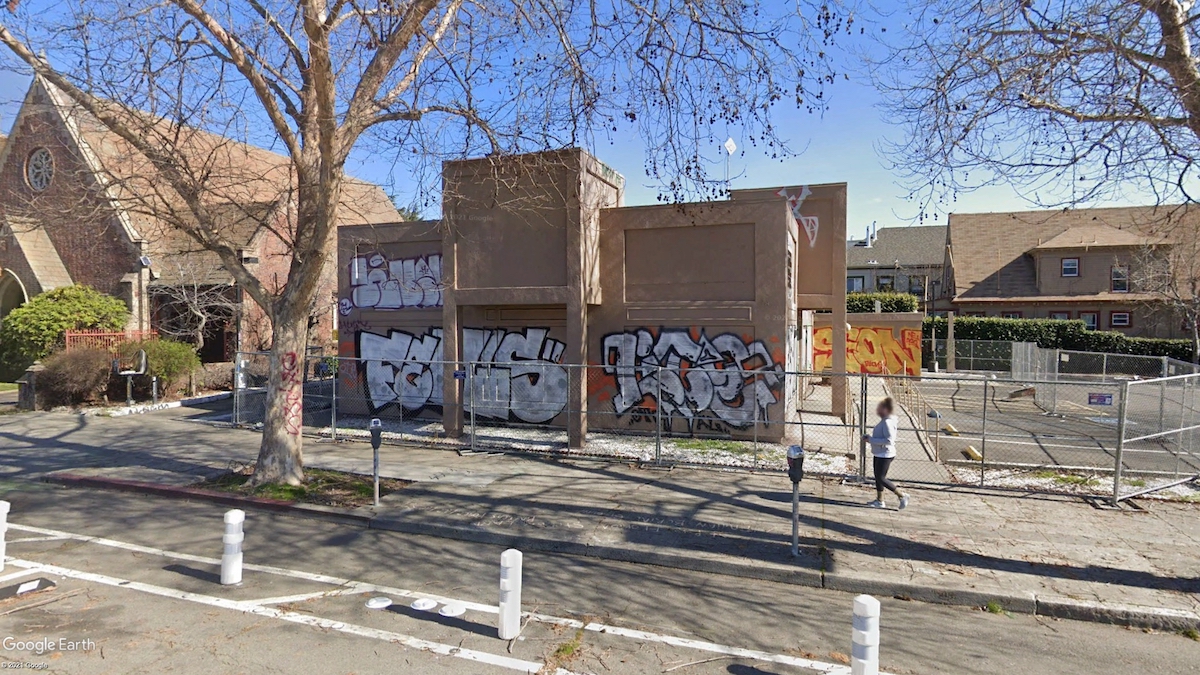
x,y
39,169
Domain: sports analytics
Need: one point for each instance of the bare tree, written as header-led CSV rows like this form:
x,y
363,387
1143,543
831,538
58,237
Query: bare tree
x,y
427,79
1169,272
194,305
1074,101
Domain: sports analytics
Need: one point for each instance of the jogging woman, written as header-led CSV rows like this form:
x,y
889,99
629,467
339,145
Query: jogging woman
x,y
883,446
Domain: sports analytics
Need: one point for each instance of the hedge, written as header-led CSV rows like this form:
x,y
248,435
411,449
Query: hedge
x,y
889,302
1056,334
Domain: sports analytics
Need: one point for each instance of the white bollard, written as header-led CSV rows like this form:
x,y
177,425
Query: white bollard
x,y
231,559
864,648
510,594
3,530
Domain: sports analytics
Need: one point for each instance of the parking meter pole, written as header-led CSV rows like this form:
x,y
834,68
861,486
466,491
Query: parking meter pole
x,y
795,520
795,467
376,441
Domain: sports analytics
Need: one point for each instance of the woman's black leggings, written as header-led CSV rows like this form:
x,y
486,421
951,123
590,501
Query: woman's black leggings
x,y
882,464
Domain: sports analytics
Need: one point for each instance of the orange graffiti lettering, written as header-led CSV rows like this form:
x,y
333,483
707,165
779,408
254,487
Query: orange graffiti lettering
x,y
871,349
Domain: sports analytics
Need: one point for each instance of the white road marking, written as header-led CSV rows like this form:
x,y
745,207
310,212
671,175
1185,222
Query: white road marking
x,y
294,617
352,586
26,540
17,575
301,597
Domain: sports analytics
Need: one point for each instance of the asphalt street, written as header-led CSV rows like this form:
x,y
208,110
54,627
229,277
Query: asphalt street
x,y
147,599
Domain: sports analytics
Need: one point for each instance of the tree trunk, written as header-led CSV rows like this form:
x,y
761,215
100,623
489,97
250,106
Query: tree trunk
x,y
280,457
1195,321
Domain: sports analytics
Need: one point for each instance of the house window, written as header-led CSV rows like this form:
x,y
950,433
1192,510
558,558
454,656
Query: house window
x,y
885,283
1090,319
1070,267
976,313
1120,279
855,284
1060,316
1119,320
916,286
1010,315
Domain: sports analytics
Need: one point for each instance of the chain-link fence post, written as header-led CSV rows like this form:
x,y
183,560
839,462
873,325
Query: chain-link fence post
x,y
862,426
658,406
1121,413
754,419
237,389
983,437
471,399
337,375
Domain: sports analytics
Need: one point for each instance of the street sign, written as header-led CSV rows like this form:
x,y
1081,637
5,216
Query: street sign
x,y
460,374
1100,399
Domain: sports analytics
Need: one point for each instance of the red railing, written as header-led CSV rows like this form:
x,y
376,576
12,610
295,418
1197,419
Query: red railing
x,y
106,340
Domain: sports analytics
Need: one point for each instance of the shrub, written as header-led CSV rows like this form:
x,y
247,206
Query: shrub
x,y
889,302
170,361
31,331
216,376
74,377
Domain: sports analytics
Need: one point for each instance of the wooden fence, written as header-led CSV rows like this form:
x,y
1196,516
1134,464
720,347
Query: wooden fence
x,y
106,340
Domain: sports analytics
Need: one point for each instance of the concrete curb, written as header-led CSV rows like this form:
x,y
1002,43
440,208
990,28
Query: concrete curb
x,y
143,408
331,513
1023,603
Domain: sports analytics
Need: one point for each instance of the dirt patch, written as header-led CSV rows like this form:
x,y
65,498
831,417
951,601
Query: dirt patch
x,y
328,488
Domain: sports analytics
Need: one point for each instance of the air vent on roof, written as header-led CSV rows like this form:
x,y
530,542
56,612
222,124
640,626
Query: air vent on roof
x,y
872,261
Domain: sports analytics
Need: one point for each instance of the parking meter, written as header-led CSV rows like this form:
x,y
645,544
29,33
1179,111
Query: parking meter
x,y
795,460
376,441
376,433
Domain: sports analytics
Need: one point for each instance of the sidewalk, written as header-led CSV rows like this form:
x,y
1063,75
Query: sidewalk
x,y
1029,553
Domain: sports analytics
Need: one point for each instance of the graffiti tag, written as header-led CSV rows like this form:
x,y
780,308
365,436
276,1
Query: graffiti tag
x,y
871,350
379,283
515,376
723,377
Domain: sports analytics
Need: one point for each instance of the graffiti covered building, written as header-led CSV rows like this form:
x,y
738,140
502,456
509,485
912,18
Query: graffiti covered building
x,y
540,298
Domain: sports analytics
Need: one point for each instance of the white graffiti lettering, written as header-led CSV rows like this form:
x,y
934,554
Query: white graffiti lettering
x,y
723,377
811,224
514,375
379,283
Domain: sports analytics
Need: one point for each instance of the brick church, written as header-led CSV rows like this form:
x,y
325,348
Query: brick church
x,y
71,197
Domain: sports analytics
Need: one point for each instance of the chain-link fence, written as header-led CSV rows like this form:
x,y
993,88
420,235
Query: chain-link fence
x,y
969,355
1042,432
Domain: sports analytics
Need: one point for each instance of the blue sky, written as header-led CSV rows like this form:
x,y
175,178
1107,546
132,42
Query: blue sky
x,y
842,145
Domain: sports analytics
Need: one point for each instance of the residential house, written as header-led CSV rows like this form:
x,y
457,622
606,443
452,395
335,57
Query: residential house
x,y
79,205
1061,264
904,259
